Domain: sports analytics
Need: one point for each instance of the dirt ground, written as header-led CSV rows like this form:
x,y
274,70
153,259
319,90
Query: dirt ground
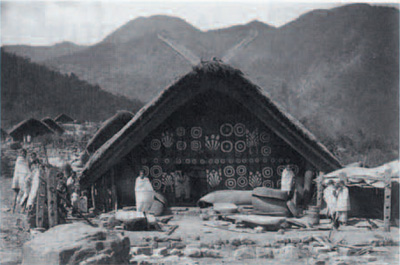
x,y
193,230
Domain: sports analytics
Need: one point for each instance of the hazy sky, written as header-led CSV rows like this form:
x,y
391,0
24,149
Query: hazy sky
x,y
88,22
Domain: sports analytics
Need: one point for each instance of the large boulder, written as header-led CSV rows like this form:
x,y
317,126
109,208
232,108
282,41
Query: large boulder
x,y
77,243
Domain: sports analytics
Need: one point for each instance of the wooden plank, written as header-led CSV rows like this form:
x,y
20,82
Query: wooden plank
x,y
387,200
40,203
92,193
52,197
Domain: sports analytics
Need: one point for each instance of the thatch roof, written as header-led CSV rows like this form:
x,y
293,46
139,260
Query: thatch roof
x,y
63,118
31,127
4,134
53,125
209,76
108,129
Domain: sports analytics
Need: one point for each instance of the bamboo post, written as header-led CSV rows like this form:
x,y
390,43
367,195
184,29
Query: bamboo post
x,y
92,193
320,189
387,200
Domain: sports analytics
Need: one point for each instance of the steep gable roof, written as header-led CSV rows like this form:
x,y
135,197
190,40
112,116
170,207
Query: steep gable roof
x,y
228,80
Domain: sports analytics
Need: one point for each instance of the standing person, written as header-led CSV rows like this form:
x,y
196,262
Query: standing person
x,y
343,203
144,193
21,172
330,199
34,168
37,174
69,174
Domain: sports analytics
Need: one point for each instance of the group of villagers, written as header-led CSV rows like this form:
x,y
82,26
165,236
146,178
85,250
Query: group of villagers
x,y
28,173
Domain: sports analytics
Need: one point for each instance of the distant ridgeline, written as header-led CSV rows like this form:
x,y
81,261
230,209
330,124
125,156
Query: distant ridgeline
x,y
32,90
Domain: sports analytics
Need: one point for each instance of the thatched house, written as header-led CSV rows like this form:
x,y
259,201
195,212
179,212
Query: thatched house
x,y
63,118
212,129
108,129
27,130
53,125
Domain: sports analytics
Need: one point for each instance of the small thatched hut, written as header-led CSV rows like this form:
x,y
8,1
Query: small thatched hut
x,y
108,129
63,118
213,129
28,129
53,125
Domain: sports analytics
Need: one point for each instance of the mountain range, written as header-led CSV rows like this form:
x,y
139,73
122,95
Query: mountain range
x,y
32,90
336,70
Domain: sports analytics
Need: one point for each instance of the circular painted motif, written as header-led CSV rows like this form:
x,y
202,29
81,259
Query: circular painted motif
x,y
146,171
196,132
167,161
222,161
229,171
278,184
280,169
267,172
156,171
226,129
194,161
226,146
241,170
244,160
156,184
187,161
178,161
272,160
180,131
155,144
210,161
195,145
181,145
242,182
280,160
230,183
216,161
264,137
251,160
240,146
265,150
239,129
257,160
268,183
202,161
155,160
231,160
238,160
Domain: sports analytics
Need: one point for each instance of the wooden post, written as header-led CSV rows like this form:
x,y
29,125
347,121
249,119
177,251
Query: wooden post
x,y
114,190
40,203
387,200
92,193
320,189
52,206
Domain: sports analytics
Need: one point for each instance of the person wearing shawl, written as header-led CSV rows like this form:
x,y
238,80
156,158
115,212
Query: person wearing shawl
x,y
330,200
21,172
37,173
342,203
144,193
34,169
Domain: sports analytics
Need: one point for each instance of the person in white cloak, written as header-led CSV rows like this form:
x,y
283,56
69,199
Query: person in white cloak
x,y
21,172
342,203
144,193
34,174
330,199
